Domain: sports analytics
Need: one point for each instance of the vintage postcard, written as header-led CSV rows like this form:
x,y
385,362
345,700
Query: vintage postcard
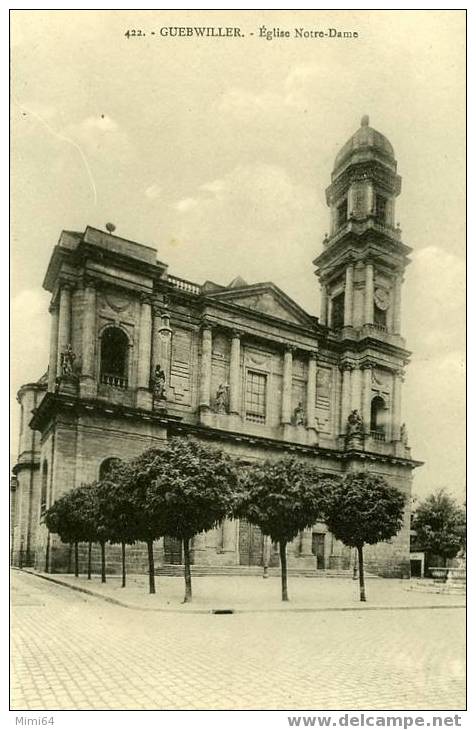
x,y
238,362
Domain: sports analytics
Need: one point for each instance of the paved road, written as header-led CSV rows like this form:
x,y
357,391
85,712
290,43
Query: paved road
x,y
76,652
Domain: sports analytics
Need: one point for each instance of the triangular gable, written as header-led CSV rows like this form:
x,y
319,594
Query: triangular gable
x,y
266,298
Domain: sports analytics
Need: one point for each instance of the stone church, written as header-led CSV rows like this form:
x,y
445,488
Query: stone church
x,y
139,355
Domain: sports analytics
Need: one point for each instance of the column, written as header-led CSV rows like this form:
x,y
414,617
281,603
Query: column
x,y
311,390
235,372
145,333
348,295
206,367
345,398
396,405
287,385
356,389
64,323
89,328
370,198
324,302
329,312
369,294
367,396
52,367
397,303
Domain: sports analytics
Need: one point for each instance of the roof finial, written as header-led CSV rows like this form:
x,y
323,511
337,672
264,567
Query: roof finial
x,y
110,227
364,122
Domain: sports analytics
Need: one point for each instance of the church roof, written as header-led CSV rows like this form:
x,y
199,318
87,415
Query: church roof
x,y
366,139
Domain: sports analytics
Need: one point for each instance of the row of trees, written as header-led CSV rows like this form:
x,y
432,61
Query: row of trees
x,y
187,488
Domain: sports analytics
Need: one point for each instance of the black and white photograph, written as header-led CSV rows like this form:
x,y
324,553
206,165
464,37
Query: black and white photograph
x,y
238,363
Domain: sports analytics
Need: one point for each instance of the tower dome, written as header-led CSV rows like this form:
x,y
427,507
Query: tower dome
x,y
365,144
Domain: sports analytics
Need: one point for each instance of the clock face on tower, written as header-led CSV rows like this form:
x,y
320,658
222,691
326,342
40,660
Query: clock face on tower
x,y
381,299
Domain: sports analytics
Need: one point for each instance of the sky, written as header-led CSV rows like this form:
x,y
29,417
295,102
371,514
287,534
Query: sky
x,y
217,152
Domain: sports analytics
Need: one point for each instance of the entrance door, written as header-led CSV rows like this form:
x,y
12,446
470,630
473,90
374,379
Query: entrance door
x,y
318,549
173,550
250,544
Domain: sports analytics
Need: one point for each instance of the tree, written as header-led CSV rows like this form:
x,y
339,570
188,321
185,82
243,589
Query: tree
x,y
138,477
440,525
282,498
71,517
362,508
193,488
120,512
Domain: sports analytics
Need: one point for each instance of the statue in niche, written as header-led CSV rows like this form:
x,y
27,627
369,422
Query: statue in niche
x,y
221,399
355,424
404,434
67,362
158,383
298,418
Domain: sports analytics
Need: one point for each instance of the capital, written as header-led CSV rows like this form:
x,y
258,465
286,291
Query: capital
x,y
90,282
347,365
145,298
236,334
290,348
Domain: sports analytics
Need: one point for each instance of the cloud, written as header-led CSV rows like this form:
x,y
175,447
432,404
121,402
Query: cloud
x,y
186,204
153,191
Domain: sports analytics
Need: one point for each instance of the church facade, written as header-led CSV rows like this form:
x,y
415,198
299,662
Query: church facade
x,y
139,355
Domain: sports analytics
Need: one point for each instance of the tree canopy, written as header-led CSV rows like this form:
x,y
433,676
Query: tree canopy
x,y
282,497
440,525
362,508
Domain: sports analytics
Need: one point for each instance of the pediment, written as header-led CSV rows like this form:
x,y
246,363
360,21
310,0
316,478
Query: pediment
x,y
267,299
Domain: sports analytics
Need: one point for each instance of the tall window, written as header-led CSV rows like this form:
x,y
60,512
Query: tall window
x,y
337,311
44,487
114,357
255,397
380,317
381,208
342,213
377,417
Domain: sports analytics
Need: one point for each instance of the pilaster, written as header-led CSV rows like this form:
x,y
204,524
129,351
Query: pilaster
x,y
144,396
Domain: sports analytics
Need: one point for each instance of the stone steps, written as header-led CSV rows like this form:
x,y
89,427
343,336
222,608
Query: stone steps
x,y
252,570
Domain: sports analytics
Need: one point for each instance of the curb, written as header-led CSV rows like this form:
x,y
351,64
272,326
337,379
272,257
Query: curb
x,y
228,611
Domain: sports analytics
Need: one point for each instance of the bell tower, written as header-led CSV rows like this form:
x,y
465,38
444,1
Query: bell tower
x,y
360,271
361,268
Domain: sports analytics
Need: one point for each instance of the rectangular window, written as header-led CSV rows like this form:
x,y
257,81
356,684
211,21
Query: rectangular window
x,y
342,214
337,311
255,397
381,208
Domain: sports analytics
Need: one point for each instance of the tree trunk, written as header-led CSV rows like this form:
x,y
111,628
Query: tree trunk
x,y
89,560
284,570
123,549
103,562
47,553
360,553
150,553
76,560
186,570
70,555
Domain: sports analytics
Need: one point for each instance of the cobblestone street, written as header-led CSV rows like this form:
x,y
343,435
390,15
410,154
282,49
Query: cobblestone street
x,y
71,651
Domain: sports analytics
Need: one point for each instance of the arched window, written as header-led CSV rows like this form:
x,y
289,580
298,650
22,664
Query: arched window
x,y
114,357
107,465
337,311
378,417
44,487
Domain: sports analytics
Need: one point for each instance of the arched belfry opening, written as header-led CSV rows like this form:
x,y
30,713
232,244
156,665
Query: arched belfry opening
x,y
114,357
107,466
378,417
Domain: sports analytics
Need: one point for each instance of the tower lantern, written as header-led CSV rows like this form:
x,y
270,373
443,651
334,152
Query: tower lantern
x,y
361,267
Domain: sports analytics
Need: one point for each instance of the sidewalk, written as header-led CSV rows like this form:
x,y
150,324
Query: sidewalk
x,y
243,594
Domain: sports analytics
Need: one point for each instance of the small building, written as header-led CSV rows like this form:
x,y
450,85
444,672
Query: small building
x,y
139,355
